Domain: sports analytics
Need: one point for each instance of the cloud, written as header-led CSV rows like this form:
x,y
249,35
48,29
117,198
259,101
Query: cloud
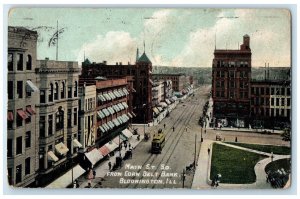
x,y
265,39
115,46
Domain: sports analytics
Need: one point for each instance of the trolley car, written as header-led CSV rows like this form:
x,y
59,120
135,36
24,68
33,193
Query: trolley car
x,y
158,142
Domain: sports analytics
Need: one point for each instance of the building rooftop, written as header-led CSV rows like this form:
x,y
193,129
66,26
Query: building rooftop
x,y
144,58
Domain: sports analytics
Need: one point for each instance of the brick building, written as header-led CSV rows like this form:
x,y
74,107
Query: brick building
x,y
141,73
179,81
22,107
231,75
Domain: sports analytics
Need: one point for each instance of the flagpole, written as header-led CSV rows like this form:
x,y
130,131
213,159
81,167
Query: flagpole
x,y
57,41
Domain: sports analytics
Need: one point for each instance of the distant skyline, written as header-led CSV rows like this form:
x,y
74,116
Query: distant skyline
x,y
173,37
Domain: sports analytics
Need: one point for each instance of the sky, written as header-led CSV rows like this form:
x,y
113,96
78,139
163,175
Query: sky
x,y
183,37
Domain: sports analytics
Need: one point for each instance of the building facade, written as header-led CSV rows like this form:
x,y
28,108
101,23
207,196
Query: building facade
x,y
23,100
141,74
87,115
58,116
179,81
231,75
270,104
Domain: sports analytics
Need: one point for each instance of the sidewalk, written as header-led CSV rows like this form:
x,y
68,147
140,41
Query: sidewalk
x,y
102,168
201,178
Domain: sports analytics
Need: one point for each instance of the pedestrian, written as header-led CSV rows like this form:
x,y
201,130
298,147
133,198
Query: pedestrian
x,y
129,146
236,139
272,156
125,145
94,174
164,126
208,150
89,185
185,129
109,165
173,128
204,131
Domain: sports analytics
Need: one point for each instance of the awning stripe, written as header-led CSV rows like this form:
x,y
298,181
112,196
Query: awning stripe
x,y
52,156
22,114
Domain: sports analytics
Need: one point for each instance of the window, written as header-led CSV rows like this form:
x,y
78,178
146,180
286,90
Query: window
x,y
19,145
282,102
267,91
277,102
231,94
282,91
241,95
69,118
50,99
272,101
262,91
241,84
218,84
231,84
272,91
10,62
75,89
28,92
42,125
288,102
20,89
9,173
56,91
19,119
20,62
10,89
28,139
75,116
59,119
42,96
50,125
288,91
231,74
246,95
9,147
18,174
62,90
27,166
29,62
69,92
252,90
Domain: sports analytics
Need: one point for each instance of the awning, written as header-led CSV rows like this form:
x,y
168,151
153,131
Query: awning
x,y
156,111
61,149
125,104
160,109
52,156
121,92
101,114
66,179
10,116
104,150
110,124
30,110
126,117
22,114
168,101
107,96
112,96
133,90
76,143
102,129
121,106
111,146
131,116
111,110
117,140
94,156
106,126
127,133
117,108
105,111
125,91
174,98
116,93
116,122
163,104
120,120
102,98
123,137
30,87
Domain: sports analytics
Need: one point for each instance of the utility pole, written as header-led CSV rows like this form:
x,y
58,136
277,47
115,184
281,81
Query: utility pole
x,y
195,150
183,177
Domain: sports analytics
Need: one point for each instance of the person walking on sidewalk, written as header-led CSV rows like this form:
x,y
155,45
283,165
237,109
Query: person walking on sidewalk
x,y
164,126
173,128
236,139
109,165
208,151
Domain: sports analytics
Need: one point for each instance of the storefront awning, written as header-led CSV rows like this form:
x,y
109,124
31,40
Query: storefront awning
x,y
174,98
76,143
52,156
94,156
168,101
10,116
127,133
22,114
116,122
101,98
101,114
112,96
111,146
133,114
163,104
111,110
105,111
116,93
117,140
66,179
104,150
121,92
30,87
156,111
160,109
125,91
121,106
61,149
102,129
120,120
129,114
107,97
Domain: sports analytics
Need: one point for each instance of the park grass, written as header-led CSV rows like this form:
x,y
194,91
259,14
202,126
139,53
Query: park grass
x,y
278,164
280,150
236,166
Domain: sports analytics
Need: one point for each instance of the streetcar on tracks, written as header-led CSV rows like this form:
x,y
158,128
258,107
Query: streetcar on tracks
x,y
158,142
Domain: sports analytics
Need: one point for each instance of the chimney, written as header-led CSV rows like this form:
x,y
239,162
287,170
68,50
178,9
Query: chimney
x,y
116,63
47,58
104,62
120,63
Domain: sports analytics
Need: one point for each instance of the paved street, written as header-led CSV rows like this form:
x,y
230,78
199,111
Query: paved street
x,y
146,170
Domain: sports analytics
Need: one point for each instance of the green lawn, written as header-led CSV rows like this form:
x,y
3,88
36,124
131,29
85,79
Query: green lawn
x,y
236,166
278,164
280,150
